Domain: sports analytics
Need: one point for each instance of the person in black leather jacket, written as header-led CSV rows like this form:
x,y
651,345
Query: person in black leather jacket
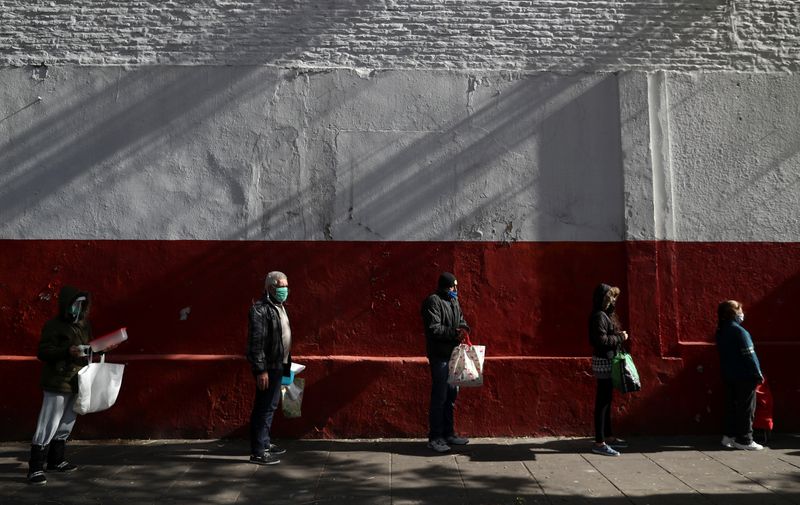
x,y
269,342
605,338
445,328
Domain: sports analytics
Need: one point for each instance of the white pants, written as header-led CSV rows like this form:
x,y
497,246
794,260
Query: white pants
x,y
56,419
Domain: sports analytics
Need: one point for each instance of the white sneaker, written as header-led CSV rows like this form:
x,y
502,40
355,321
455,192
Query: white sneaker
x,y
727,442
438,445
752,446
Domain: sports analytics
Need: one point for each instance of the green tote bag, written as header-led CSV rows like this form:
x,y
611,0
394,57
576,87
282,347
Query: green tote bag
x,y
624,374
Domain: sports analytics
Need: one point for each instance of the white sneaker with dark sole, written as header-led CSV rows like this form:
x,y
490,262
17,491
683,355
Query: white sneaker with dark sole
x,y
265,459
274,449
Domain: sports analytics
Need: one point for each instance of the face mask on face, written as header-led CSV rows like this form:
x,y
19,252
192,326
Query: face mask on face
x,y
75,309
281,294
610,308
453,295
739,318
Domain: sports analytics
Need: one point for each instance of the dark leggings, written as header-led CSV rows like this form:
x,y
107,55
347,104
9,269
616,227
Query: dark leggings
x,y
602,410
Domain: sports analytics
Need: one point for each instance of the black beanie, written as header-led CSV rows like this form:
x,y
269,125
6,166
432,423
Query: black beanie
x,y
446,281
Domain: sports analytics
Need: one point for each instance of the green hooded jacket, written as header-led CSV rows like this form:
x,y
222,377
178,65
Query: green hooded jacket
x,y
60,370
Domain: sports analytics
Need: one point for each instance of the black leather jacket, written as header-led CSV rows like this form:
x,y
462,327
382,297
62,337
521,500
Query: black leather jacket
x,y
264,342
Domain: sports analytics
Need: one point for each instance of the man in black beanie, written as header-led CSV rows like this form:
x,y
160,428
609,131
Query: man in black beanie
x,y
445,328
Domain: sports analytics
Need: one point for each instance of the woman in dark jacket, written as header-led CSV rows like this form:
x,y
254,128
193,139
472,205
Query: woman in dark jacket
x,y
606,339
62,357
741,372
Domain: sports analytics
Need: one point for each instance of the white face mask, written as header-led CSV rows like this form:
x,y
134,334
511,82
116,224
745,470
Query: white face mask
x,y
740,318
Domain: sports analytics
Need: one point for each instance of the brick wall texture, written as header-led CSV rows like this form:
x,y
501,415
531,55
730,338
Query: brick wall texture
x,y
547,35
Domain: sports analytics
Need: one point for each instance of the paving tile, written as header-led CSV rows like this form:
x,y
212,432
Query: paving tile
x,y
772,470
643,481
708,476
570,478
404,472
357,476
426,478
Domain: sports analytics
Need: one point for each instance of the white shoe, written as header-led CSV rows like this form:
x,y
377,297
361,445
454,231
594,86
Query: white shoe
x,y
752,446
438,445
727,442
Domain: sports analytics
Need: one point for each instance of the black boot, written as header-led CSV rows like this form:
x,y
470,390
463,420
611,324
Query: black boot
x,y
55,458
36,474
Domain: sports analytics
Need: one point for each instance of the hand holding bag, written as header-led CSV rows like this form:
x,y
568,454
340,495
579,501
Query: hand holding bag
x,y
98,386
466,365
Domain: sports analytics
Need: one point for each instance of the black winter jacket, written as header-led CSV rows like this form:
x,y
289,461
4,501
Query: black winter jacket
x,y
60,370
441,317
264,342
604,335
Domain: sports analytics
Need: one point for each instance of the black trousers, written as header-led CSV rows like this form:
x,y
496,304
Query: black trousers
x,y
740,407
602,410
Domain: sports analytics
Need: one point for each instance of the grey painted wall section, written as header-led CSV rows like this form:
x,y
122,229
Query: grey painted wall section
x,y
711,156
736,156
259,153
255,153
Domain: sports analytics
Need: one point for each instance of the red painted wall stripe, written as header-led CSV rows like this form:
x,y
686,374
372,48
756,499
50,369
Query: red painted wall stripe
x,y
355,314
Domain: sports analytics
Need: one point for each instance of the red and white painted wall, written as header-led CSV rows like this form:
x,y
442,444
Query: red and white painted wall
x,y
169,191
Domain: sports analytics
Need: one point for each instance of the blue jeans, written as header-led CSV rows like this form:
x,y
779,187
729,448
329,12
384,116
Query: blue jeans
x,y
264,407
443,401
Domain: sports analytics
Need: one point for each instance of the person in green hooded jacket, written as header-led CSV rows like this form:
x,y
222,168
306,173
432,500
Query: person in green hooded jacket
x,y
62,351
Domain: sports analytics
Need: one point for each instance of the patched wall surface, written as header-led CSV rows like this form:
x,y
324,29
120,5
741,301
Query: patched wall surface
x,y
253,153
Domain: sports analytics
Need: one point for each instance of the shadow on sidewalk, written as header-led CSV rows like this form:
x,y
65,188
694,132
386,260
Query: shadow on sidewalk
x,y
479,449
508,471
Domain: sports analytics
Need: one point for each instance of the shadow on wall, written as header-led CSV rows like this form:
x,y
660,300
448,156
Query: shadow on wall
x,y
66,151
293,26
82,145
540,159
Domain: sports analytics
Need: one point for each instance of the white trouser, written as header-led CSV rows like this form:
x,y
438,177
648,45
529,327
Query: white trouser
x,y
56,419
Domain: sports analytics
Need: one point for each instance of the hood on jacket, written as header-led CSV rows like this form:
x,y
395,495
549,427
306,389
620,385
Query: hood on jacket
x,y
66,297
599,297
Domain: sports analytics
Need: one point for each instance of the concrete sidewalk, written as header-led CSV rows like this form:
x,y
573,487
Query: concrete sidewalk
x,y
487,471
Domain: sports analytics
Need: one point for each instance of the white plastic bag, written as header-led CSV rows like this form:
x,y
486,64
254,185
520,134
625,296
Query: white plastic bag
x,y
466,365
292,397
98,386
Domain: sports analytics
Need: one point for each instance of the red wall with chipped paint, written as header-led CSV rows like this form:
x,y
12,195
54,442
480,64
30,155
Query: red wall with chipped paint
x,y
354,308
